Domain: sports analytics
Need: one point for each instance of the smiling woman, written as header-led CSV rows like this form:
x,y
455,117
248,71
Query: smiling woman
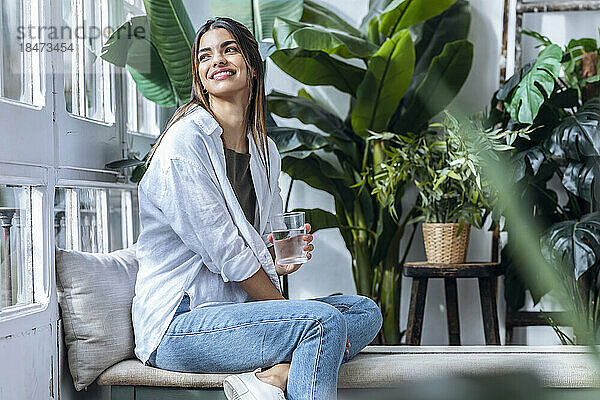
x,y
207,292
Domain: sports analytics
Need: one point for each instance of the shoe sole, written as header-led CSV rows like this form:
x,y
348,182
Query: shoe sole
x,y
235,389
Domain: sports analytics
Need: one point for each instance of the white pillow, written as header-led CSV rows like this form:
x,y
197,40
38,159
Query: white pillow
x,y
95,292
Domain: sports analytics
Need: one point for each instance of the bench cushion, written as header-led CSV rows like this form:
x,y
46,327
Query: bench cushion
x,y
95,292
385,366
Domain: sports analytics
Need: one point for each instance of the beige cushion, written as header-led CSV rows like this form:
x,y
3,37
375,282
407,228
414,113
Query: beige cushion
x,y
95,292
388,366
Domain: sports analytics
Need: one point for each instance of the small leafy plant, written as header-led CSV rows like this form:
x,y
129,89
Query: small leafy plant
x,y
445,165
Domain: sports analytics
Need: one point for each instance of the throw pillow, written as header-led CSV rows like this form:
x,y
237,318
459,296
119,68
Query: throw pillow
x,y
95,292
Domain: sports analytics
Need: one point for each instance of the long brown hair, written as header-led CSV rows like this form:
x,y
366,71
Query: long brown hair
x,y
256,83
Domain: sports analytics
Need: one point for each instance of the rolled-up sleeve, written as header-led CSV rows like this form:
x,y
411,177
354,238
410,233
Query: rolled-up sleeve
x,y
196,211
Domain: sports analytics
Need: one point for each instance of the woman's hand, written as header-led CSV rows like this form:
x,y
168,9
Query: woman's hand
x,y
308,247
347,346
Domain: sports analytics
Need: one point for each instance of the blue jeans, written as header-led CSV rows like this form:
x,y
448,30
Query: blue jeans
x,y
309,334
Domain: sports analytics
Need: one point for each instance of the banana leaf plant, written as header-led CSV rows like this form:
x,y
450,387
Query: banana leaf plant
x,y
156,48
401,67
555,172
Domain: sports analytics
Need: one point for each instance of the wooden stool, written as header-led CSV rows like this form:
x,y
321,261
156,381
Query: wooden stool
x,y
486,273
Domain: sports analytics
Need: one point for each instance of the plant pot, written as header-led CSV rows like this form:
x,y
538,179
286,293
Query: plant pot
x,y
443,245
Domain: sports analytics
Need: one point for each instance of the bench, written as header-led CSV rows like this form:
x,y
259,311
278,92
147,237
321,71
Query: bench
x,y
567,367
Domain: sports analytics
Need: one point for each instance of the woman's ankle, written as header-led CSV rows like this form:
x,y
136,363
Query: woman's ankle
x,y
277,375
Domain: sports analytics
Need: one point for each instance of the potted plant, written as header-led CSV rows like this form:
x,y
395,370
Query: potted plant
x,y
443,163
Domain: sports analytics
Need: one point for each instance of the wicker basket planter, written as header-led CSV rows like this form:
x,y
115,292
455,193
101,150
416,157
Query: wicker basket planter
x,y
442,245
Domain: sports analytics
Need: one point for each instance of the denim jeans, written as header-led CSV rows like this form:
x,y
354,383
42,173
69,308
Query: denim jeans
x,y
308,334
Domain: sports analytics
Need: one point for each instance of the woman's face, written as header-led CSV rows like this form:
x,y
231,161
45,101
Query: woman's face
x,y
221,65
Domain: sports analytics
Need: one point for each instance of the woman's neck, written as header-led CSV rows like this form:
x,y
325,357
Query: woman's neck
x,y
231,115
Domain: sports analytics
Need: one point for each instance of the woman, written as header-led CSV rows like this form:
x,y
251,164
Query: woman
x,y
207,292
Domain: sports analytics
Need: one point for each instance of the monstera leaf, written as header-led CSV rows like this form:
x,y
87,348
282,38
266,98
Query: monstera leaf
x,y
578,135
257,15
573,245
536,86
580,178
387,78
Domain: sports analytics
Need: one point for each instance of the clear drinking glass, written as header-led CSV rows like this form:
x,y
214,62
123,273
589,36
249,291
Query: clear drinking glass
x,y
288,231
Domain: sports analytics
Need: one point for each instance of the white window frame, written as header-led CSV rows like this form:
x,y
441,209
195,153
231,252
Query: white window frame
x,y
32,79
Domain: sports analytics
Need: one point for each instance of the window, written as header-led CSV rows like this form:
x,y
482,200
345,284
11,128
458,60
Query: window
x,y
95,220
21,265
19,64
88,79
144,117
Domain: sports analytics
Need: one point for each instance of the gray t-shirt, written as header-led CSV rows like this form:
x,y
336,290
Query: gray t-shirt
x,y
238,173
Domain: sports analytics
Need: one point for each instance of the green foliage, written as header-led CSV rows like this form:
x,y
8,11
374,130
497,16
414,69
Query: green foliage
x,y
333,158
535,86
257,15
402,14
563,149
445,165
384,84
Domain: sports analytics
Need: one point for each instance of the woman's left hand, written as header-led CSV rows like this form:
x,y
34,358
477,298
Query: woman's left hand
x,y
308,247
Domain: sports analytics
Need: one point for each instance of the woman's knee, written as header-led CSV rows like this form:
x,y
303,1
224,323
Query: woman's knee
x,y
371,309
325,316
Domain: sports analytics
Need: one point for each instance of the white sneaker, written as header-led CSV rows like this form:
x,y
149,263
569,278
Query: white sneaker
x,y
247,386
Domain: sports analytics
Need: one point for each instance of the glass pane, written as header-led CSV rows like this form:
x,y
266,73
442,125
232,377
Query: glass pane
x,y
92,64
68,56
88,80
60,220
91,220
118,235
16,265
12,55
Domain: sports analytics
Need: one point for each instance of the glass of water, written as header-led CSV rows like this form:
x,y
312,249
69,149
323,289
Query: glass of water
x,y
288,231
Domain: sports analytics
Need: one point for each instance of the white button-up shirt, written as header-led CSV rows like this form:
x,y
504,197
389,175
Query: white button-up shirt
x,y
194,235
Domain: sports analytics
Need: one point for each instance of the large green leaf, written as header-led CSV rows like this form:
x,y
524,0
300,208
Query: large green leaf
x,y
295,139
434,33
308,112
318,68
131,46
315,13
318,219
578,135
536,86
579,178
376,7
533,156
401,14
289,34
444,79
314,170
257,15
573,245
384,84
173,36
